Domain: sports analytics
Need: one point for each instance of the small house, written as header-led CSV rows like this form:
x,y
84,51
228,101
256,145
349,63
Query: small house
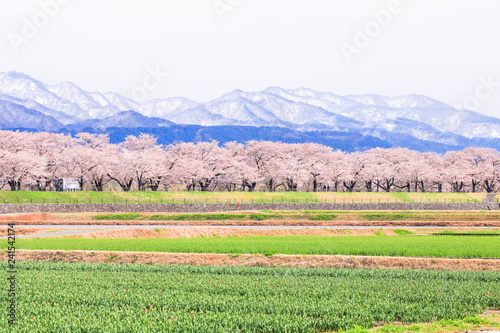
x,y
67,184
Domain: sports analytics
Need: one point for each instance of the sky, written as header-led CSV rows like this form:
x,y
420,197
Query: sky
x,y
202,49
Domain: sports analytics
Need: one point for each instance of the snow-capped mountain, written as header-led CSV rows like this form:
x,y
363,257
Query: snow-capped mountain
x,y
127,119
302,109
17,116
65,101
163,107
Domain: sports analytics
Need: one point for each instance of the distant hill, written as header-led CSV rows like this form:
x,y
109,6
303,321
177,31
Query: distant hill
x,y
298,115
345,141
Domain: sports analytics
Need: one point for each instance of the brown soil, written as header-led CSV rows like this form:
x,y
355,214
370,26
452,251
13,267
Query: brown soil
x,y
228,232
491,312
25,231
349,219
158,258
30,217
31,220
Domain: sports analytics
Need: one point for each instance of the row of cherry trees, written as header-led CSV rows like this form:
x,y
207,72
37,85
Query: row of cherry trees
x,y
141,163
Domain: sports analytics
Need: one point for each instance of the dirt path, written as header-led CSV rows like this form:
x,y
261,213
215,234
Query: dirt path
x,y
257,260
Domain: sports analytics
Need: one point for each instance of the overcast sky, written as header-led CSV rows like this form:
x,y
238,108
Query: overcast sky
x,y
446,49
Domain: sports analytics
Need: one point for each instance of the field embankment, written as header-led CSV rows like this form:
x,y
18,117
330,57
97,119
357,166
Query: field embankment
x,y
267,217
248,232
229,207
26,231
130,197
258,260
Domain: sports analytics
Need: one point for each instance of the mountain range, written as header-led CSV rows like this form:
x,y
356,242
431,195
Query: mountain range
x,y
354,122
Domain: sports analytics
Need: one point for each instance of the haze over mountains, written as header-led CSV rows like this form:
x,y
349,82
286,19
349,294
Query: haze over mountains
x,y
354,122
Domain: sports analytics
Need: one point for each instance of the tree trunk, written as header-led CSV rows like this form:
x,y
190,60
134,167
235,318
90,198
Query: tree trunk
x,y
251,187
369,185
490,186
474,185
204,185
14,185
125,185
315,185
98,184
388,185
350,185
270,184
154,184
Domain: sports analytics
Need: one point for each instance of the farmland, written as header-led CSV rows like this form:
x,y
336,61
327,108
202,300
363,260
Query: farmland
x,y
235,197
317,216
123,298
247,279
405,246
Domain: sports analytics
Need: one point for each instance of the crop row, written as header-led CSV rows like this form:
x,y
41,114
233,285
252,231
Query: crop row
x,y
405,246
62,297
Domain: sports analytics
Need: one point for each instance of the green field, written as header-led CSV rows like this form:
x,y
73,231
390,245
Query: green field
x,y
62,297
472,232
312,216
407,246
234,197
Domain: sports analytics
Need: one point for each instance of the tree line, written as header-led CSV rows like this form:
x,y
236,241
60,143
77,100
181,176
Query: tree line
x,y
141,163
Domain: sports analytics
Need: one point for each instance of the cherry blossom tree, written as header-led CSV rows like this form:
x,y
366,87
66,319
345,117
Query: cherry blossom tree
x,y
119,170
145,158
315,161
266,158
481,167
337,169
37,159
355,166
242,172
435,171
202,164
21,166
455,169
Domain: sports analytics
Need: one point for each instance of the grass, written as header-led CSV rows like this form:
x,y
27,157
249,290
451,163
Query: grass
x,y
314,216
230,197
446,325
384,216
405,246
75,297
403,232
472,232
323,217
196,217
123,216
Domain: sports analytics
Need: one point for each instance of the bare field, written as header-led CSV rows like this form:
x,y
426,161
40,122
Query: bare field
x,y
229,232
443,219
492,224
25,231
316,261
